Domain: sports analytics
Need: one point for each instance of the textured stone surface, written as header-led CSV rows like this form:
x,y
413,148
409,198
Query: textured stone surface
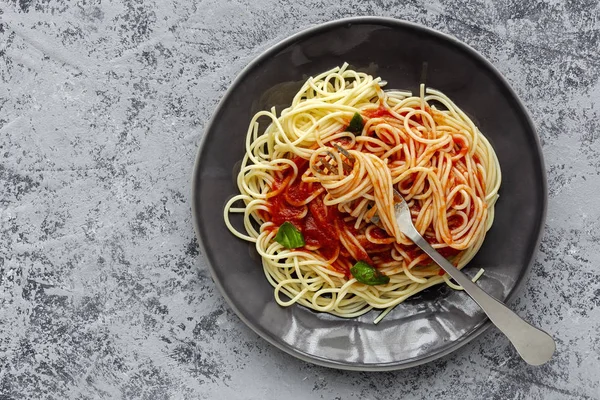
x,y
103,292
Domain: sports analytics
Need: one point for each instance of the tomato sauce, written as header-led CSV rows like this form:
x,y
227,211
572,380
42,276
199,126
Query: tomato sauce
x,y
454,221
379,233
298,192
321,225
281,211
378,113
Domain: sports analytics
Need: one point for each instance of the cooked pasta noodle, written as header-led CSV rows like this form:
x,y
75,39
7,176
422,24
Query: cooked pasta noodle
x,y
313,168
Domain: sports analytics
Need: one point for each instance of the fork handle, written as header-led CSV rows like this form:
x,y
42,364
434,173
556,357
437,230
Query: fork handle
x,y
533,345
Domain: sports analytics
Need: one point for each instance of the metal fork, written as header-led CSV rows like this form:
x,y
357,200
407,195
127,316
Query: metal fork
x,y
535,346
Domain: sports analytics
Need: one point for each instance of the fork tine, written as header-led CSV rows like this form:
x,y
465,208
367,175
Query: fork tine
x,y
317,169
331,164
327,165
344,151
348,166
398,198
330,154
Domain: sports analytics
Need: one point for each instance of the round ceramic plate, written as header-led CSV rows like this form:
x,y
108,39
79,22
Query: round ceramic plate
x,y
439,320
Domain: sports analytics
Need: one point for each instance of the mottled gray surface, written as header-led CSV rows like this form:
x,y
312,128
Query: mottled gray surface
x,y
103,292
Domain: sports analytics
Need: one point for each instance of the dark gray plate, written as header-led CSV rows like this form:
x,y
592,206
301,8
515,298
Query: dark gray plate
x,y
439,320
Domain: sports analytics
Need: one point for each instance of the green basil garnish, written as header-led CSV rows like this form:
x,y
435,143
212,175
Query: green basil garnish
x,y
289,237
356,124
368,275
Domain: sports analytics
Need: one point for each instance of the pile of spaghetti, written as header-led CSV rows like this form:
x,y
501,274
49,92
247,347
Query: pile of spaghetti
x,y
322,223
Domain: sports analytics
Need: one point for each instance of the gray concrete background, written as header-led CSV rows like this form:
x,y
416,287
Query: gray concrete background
x,y
103,292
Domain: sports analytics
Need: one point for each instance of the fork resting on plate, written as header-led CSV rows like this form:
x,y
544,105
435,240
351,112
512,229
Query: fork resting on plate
x,y
535,346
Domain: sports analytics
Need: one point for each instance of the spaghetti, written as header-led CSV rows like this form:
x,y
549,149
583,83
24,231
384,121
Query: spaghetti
x,y
423,146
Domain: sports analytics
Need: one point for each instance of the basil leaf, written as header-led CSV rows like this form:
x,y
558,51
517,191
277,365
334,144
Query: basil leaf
x,y
289,237
368,275
356,124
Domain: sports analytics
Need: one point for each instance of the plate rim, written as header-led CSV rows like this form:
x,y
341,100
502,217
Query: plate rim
x,y
285,42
